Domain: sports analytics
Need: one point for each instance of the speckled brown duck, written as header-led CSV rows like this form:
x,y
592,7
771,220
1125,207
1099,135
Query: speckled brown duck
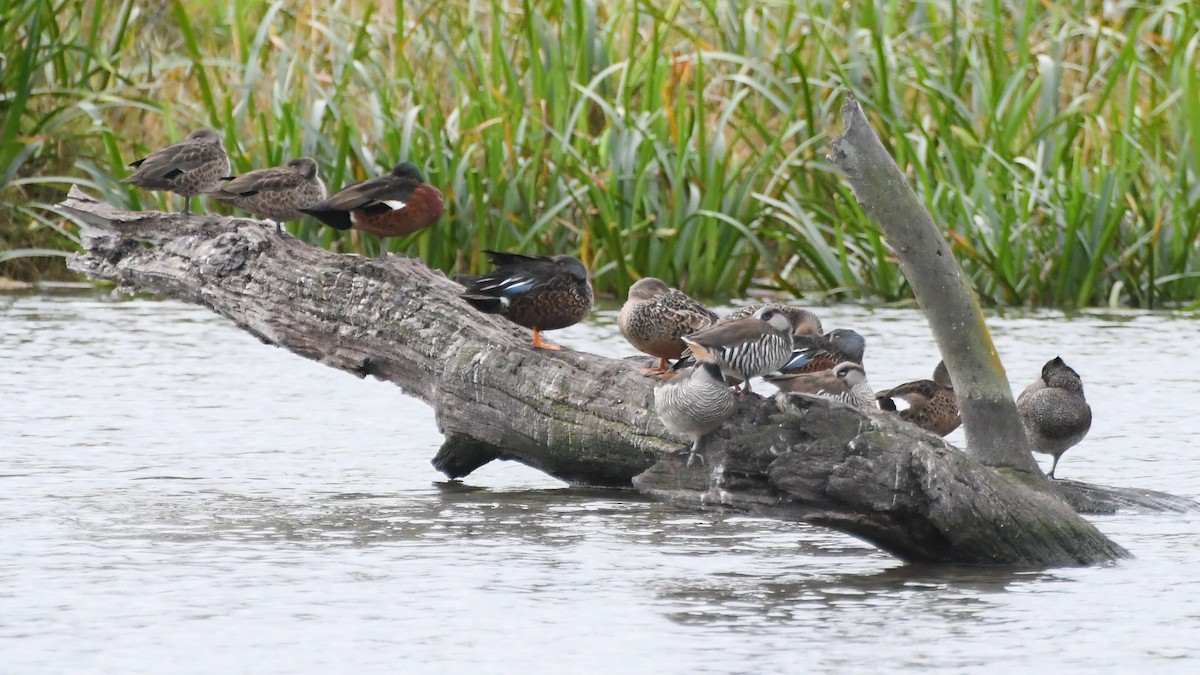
x,y
932,404
190,167
277,193
393,205
537,292
656,317
1054,412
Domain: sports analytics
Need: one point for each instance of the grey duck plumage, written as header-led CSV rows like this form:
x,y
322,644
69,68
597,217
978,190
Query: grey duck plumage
x,y
694,404
276,193
932,404
656,317
190,167
1054,412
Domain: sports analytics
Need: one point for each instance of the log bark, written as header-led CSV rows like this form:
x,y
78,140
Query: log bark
x,y
989,414
583,418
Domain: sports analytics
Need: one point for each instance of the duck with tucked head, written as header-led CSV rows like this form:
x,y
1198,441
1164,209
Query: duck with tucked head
x,y
537,292
694,404
1054,412
932,404
845,382
190,167
748,347
392,205
276,193
656,317
818,353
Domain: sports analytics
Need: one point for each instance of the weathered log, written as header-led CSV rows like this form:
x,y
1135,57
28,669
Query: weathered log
x,y
583,418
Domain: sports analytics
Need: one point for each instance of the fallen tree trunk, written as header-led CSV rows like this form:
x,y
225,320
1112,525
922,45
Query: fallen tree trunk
x,y
584,418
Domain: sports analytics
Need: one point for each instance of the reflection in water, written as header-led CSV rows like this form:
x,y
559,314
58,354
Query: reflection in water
x,y
167,482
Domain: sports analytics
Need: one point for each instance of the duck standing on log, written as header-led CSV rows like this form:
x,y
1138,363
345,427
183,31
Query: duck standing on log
x,y
190,167
392,205
656,317
276,193
746,348
694,404
1054,412
932,404
537,292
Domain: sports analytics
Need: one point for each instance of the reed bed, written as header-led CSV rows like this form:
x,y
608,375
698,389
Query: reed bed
x,y
1058,144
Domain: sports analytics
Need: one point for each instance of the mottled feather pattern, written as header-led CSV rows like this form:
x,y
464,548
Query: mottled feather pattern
x,y
538,292
932,405
190,167
656,317
276,193
816,353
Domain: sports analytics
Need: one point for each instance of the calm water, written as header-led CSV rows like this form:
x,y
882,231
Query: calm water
x,y
177,497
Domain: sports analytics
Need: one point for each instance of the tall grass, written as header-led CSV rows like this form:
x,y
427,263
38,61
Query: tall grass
x,y
1059,145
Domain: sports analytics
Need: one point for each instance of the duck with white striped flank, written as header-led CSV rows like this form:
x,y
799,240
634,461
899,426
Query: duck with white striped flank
x,y
845,382
392,205
746,348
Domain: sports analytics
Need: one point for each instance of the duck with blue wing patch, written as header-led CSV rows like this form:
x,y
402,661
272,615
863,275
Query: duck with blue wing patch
x,y
816,353
537,292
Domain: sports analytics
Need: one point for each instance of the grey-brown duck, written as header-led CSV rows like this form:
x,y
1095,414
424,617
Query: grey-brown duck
x,y
538,292
656,317
1054,412
277,193
190,167
932,404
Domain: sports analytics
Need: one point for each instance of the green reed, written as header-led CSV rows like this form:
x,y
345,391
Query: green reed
x,y
1058,146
